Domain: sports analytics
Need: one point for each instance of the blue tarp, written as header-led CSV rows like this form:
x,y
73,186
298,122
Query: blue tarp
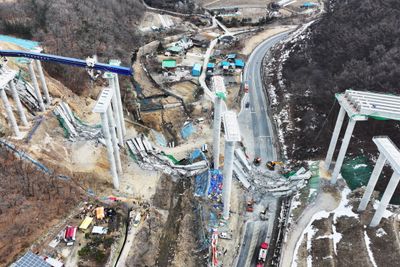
x,y
27,44
309,4
159,138
201,184
196,154
215,187
187,130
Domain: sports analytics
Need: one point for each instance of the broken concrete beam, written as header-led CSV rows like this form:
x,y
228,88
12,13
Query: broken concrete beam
x,y
240,174
242,158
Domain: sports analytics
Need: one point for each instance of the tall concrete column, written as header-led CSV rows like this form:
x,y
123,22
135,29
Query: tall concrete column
x,y
117,115
10,115
227,183
372,182
114,140
391,187
217,131
36,86
17,101
43,81
335,136
110,153
120,107
343,150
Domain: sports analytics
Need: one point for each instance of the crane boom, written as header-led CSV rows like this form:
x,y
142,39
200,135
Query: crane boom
x,y
67,60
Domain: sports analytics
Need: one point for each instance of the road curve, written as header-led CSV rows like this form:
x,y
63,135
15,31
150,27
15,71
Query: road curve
x,y
254,121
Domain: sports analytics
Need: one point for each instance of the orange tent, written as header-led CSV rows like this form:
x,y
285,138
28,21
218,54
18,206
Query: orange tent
x,y
100,213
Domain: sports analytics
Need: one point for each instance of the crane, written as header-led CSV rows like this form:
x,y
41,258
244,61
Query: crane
x,y
88,64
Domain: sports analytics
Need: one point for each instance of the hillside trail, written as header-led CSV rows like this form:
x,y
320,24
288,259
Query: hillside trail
x,y
324,202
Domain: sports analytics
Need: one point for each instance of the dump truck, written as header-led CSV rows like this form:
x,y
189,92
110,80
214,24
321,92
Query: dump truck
x,y
262,254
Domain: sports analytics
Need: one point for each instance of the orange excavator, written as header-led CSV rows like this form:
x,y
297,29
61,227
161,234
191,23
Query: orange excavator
x,y
271,164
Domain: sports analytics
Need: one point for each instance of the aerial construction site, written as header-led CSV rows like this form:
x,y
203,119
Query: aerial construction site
x,y
199,133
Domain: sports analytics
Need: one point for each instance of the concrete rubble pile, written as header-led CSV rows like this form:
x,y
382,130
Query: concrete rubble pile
x,y
76,129
277,184
150,158
25,92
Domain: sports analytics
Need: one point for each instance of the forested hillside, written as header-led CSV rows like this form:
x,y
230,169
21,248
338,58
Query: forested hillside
x,y
31,201
354,45
76,28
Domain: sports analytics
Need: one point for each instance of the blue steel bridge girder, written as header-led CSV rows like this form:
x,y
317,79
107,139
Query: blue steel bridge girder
x,y
67,61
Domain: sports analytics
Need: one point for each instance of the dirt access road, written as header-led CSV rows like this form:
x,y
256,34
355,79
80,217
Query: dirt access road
x,y
324,202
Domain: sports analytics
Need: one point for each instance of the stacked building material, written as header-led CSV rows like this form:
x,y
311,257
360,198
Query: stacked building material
x,y
74,128
149,158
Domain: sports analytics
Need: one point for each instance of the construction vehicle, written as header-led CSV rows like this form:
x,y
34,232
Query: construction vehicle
x,y
271,164
257,161
264,213
249,205
262,255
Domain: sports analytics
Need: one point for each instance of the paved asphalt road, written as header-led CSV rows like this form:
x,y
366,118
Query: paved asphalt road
x,y
254,121
256,128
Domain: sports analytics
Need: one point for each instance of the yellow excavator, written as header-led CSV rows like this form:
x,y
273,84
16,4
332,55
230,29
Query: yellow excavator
x,y
271,164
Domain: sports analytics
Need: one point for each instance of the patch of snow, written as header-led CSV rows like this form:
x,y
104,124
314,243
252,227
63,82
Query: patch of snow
x,y
344,209
327,257
386,214
367,244
380,232
359,166
336,237
310,234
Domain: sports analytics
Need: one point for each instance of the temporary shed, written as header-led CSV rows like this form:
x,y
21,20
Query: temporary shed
x,y
86,222
196,71
210,66
231,56
169,63
225,64
239,63
99,230
175,49
54,262
100,213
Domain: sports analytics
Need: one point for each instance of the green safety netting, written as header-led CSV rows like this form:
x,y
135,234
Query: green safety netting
x,y
356,171
171,157
96,126
62,124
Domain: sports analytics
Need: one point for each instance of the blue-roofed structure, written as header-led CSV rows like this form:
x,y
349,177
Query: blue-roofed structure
x,y
196,71
210,66
30,260
225,64
239,63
